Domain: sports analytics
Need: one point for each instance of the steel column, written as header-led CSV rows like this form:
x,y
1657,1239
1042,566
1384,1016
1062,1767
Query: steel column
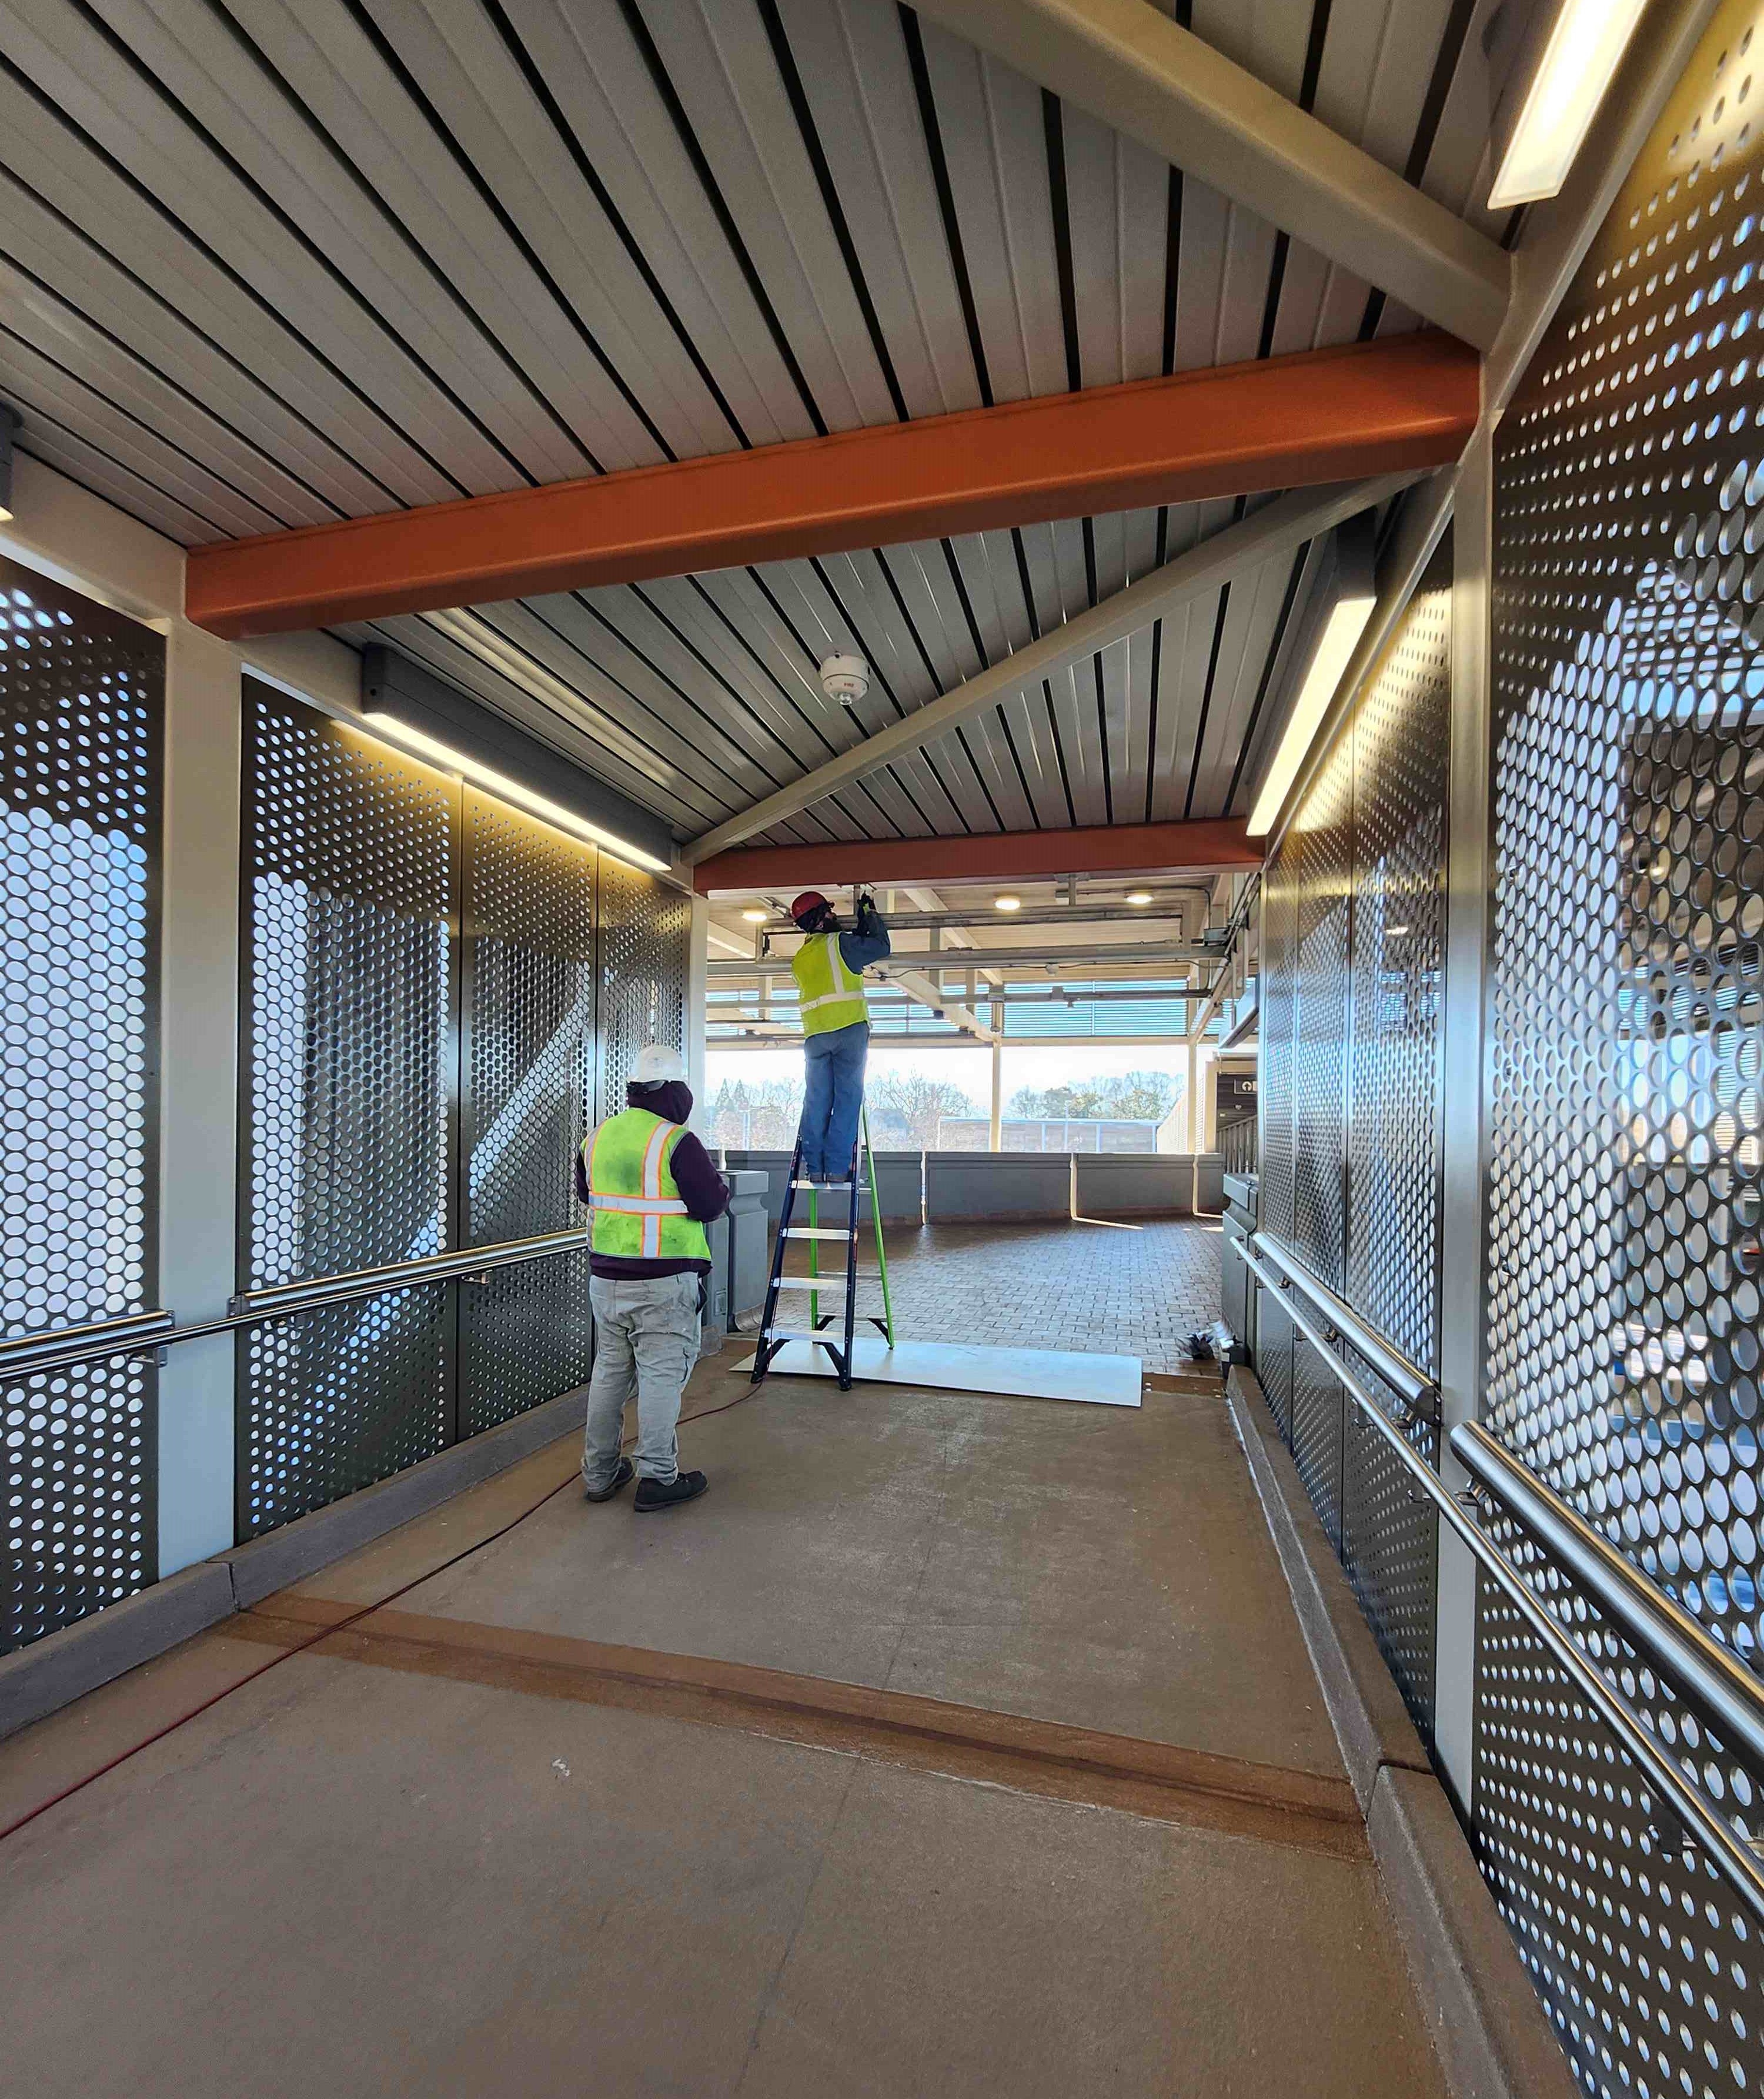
x,y
199,1088
1464,1065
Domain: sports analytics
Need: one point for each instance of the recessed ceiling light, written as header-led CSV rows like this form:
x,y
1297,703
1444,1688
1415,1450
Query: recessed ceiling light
x,y
1139,896
1354,598
1559,81
755,915
1007,903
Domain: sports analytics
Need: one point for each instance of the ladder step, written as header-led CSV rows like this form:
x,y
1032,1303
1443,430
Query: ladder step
x,y
790,1334
826,1187
820,1232
812,1283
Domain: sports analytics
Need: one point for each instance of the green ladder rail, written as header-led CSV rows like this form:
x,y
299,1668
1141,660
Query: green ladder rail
x,y
840,1349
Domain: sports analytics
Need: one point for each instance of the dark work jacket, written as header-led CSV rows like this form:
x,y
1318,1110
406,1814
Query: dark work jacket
x,y
702,1188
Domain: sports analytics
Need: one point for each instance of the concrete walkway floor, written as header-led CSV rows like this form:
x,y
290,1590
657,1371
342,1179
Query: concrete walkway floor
x,y
950,1745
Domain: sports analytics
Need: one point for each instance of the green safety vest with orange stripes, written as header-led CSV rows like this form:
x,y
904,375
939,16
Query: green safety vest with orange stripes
x,y
638,1213
828,994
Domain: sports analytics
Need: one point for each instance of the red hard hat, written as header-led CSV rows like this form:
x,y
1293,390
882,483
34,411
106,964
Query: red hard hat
x,y
807,904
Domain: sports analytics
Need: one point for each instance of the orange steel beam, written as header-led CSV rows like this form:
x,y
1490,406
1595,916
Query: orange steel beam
x,y
1211,846
1282,422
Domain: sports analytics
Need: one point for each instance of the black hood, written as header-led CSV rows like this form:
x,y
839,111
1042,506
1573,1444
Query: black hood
x,y
673,1100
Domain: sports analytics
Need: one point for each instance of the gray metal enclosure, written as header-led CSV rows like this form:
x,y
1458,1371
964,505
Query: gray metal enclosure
x,y
1603,1004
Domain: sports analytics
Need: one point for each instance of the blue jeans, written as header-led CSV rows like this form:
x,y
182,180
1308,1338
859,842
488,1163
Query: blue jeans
x,y
833,1098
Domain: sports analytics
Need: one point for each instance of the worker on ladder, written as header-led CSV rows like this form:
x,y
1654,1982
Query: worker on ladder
x,y
829,969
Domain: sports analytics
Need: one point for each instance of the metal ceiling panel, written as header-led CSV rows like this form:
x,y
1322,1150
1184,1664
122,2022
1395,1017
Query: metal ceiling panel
x,y
96,210
722,65
613,105
275,260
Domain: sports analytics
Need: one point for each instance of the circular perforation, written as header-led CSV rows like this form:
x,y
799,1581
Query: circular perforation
x,y
80,735
1627,1133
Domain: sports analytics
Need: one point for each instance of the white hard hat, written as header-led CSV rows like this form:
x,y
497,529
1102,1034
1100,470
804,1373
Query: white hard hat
x,y
658,1066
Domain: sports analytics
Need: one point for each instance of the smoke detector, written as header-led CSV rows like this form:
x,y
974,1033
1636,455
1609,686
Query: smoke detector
x,y
845,679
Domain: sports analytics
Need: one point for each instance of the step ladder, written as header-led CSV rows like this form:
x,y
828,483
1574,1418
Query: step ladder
x,y
831,1331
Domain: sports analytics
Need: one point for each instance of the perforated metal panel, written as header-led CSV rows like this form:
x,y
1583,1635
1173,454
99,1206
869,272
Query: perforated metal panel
x,y
80,737
645,934
1627,1129
1390,1540
1322,850
525,1334
1317,1401
1646,1963
1393,1106
349,869
1627,1132
1279,945
1274,1358
1353,935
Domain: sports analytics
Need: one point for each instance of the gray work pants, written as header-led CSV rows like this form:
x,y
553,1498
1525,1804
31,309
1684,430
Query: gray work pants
x,y
645,1342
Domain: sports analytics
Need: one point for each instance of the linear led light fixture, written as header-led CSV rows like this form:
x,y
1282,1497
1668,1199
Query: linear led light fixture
x,y
389,724
1554,88
9,424
1354,593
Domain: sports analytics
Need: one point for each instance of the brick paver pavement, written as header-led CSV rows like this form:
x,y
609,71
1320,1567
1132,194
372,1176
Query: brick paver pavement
x,y
1095,1287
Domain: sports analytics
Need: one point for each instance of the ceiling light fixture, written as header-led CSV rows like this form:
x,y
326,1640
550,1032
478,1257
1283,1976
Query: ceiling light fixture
x,y
1337,638
1138,897
443,754
1007,903
1554,88
755,916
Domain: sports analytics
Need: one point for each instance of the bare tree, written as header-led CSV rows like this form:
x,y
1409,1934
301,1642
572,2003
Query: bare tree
x,y
905,1109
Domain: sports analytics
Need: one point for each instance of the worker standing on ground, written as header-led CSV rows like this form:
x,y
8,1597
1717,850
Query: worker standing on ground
x,y
652,1189
829,969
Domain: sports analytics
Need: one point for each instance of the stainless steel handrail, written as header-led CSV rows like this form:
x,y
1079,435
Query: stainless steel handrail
x,y
284,1297
49,1350
1408,1379
1723,1692
1732,1854
142,1333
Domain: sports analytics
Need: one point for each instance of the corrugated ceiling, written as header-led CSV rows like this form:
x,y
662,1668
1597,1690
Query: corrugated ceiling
x,y
269,263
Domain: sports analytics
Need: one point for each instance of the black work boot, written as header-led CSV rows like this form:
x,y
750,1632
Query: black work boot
x,y
621,1478
668,1493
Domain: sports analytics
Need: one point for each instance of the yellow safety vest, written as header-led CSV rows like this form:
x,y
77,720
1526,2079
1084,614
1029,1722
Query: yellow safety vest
x,y
638,1212
828,994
